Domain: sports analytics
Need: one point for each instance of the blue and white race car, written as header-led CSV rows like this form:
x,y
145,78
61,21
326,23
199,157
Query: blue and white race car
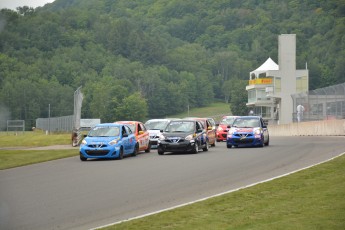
x,y
109,140
248,131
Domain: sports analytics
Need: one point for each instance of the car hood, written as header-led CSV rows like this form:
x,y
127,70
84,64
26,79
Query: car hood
x,y
177,134
223,126
243,130
98,140
154,132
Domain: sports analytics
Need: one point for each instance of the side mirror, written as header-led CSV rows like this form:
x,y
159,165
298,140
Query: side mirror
x,y
264,126
125,135
161,131
229,126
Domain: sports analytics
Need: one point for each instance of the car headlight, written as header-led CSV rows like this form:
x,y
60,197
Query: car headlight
x,y
114,142
257,131
190,137
161,137
83,142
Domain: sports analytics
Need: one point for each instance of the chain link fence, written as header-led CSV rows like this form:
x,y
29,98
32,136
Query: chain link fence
x,y
321,104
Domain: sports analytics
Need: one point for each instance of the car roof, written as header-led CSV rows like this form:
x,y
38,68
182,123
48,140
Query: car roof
x,y
257,117
127,122
108,124
162,119
185,120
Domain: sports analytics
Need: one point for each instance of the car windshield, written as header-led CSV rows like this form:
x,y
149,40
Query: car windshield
x,y
180,126
104,131
227,121
246,123
156,124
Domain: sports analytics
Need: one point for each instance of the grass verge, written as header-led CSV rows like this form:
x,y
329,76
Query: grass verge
x,y
33,139
217,108
16,158
309,199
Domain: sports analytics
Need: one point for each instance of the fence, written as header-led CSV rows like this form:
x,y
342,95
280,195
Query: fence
x,y
321,104
55,124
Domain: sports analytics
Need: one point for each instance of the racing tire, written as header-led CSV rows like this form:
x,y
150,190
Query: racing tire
x,y
136,150
148,148
205,149
82,158
268,142
160,152
196,148
229,146
121,154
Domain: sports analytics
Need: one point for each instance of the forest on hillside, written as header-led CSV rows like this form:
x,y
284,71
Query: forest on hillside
x,y
153,58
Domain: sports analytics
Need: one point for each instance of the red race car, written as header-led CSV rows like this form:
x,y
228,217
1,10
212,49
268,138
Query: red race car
x,y
222,129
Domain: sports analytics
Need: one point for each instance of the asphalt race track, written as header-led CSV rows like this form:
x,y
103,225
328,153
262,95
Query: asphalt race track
x,y
70,194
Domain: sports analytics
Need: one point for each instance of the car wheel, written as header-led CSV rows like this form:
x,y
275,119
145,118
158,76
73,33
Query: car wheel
x,y
228,146
160,152
196,148
148,148
268,142
214,144
136,150
121,154
82,158
206,147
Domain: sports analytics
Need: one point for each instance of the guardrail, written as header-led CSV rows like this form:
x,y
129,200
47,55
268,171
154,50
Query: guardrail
x,y
310,128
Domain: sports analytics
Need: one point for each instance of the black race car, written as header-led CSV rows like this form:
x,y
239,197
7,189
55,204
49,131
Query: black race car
x,y
183,136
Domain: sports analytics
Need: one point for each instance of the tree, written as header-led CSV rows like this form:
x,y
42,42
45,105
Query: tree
x,y
133,107
239,98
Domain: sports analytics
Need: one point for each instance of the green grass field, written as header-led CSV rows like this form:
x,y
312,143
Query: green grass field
x,y
33,139
215,110
15,158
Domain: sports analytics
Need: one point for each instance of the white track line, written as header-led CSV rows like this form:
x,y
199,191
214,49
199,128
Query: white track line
x,y
216,195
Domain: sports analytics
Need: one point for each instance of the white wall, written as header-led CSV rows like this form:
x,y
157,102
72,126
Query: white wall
x,y
310,128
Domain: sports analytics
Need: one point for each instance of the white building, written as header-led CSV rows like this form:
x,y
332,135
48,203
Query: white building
x,y
271,85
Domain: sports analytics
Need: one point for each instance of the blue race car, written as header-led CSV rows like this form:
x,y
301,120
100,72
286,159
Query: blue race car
x,y
247,131
109,140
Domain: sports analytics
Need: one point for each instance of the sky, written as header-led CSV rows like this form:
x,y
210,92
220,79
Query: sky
x,y
13,4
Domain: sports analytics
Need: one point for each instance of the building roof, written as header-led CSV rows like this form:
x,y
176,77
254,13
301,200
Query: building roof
x,y
269,64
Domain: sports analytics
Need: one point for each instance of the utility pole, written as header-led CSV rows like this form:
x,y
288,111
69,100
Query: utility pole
x,y
49,119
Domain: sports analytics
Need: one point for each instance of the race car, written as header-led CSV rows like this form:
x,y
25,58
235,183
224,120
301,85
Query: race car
x,y
154,126
108,140
141,134
222,130
210,128
247,131
183,136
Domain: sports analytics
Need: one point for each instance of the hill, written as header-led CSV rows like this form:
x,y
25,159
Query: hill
x,y
148,59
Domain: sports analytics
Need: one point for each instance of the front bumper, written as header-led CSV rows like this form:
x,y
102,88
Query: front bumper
x,y
244,140
107,151
154,143
221,136
181,146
